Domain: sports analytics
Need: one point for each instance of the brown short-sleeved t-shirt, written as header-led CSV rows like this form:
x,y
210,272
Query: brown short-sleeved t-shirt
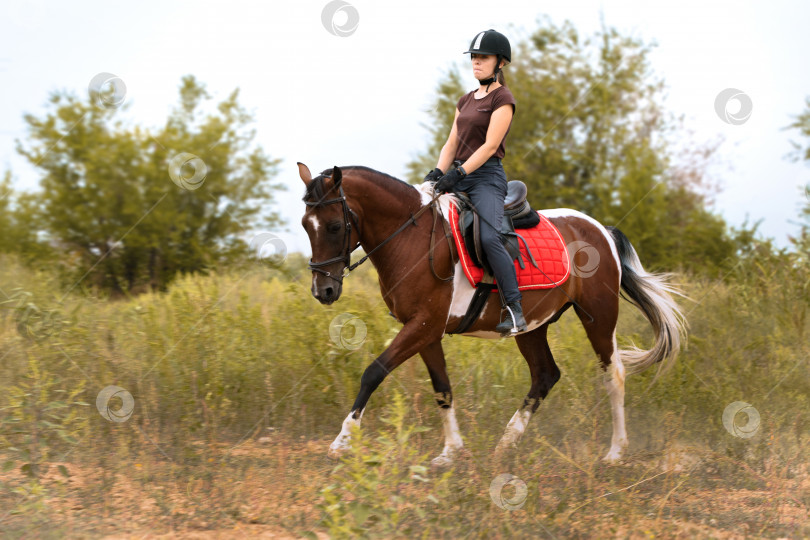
x,y
473,121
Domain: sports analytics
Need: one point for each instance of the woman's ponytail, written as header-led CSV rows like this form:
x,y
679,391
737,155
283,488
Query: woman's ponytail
x,y
501,77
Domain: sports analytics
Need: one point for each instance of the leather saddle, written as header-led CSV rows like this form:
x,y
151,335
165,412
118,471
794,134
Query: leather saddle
x,y
517,214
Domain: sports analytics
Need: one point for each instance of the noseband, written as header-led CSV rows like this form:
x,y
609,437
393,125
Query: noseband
x,y
346,255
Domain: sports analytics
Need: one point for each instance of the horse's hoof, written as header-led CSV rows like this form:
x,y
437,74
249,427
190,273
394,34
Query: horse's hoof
x,y
614,455
336,452
441,462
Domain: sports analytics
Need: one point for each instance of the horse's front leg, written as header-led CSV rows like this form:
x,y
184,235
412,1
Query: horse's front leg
x,y
410,340
433,355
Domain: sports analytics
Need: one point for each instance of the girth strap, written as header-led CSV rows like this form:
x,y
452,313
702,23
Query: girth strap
x,y
477,304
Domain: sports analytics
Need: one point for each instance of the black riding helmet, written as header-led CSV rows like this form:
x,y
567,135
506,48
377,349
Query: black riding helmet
x,y
491,42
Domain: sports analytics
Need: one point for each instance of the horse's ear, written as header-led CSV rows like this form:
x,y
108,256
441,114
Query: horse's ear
x,y
337,176
303,170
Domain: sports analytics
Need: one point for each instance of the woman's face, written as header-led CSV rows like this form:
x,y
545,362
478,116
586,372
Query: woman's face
x,y
483,65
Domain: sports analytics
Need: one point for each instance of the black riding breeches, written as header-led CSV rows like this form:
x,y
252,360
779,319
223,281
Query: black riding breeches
x,y
486,187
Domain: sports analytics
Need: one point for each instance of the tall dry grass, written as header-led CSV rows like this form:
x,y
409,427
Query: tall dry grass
x,y
239,387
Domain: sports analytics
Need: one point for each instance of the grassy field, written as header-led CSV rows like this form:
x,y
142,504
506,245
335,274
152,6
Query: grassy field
x,y
239,381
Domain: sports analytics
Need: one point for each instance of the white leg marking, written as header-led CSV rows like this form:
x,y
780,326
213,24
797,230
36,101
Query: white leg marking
x,y
343,441
615,388
452,438
514,429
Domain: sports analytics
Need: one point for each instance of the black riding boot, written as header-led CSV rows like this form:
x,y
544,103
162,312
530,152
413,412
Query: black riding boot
x,y
514,321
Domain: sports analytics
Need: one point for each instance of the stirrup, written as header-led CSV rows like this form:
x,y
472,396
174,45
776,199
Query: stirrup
x,y
515,329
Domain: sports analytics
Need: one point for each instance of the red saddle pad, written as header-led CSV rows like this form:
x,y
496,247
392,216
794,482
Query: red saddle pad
x,y
546,245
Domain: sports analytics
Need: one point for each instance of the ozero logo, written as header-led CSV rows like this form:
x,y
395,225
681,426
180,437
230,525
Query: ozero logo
x,y
741,419
496,492
184,163
107,91
733,106
340,18
348,331
583,258
118,414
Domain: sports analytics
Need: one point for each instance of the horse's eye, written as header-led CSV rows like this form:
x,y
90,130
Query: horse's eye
x,y
334,227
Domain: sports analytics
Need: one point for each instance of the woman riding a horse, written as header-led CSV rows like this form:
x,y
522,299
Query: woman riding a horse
x,y
348,207
480,127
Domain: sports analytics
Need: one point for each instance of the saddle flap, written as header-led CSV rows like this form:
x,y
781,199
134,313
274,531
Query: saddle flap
x,y
542,247
520,213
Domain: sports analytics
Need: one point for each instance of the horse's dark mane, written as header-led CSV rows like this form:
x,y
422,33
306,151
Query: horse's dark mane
x,y
315,189
316,192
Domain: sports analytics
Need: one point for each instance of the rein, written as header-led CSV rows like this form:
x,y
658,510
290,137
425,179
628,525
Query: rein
x,y
349,217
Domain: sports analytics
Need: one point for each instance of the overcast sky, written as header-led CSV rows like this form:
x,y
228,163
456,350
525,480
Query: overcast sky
x,y
362,98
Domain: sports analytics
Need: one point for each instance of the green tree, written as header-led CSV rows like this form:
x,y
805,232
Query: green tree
x,y
6,193
802,152
19,213
130,209
590,133
802,123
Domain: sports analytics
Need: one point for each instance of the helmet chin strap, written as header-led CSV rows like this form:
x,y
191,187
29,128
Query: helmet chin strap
x,y
494,74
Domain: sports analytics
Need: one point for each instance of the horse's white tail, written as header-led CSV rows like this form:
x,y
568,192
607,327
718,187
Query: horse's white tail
x,y
652,294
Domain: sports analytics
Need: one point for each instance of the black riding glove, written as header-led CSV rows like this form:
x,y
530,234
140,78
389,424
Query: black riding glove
x,y
446,182
433,175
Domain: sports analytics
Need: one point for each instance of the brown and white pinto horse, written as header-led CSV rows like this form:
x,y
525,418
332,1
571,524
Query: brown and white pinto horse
x,y
352,206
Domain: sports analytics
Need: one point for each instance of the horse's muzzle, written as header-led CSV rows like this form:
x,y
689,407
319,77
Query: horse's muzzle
x,y
327,294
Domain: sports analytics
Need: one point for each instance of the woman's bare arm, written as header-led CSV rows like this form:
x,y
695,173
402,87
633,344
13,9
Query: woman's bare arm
x,y
449,148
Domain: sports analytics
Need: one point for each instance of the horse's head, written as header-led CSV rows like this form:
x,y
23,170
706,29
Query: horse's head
x,y
331,227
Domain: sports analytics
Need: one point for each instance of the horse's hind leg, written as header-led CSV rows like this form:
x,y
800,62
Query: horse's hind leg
x,y
545,374
433,356
600,326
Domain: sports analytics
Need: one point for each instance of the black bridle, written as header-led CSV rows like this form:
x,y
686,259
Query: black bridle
x,y
346,255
